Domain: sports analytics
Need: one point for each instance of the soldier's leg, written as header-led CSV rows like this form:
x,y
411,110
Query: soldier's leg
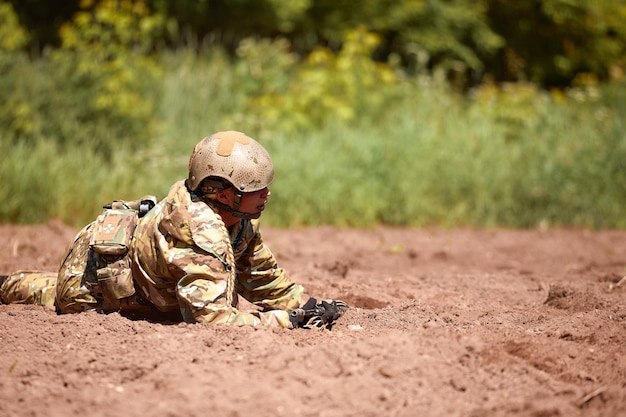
x,y
77,272
29,287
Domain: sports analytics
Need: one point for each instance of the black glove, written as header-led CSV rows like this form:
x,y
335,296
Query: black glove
x,y
331,311
310,304
314,314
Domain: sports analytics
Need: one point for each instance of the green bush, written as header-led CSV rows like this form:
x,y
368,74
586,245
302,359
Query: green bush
x,y
100,85
13,36
288,96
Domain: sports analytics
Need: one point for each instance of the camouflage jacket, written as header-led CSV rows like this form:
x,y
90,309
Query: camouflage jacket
x,y
183,257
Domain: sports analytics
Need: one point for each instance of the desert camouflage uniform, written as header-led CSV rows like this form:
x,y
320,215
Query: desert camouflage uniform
x,y
182,258
29,287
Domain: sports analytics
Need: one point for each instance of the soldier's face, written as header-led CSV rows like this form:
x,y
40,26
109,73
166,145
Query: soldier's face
x,y
251,203
254,202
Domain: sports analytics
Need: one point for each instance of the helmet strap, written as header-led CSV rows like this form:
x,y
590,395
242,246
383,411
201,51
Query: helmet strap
x,y
233,212
237,199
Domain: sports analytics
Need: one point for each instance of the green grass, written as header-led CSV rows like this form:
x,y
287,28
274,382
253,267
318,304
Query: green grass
x,y
513,157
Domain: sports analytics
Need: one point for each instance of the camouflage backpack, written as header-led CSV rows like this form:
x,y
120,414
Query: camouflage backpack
x,y
110,243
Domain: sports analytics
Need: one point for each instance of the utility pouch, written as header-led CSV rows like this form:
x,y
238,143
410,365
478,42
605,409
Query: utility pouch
x,y
114,231
116,282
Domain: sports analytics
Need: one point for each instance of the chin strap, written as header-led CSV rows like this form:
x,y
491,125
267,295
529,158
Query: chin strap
x,y
237,199
234,212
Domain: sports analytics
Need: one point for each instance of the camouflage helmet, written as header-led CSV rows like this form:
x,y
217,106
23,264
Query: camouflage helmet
x,y
234,157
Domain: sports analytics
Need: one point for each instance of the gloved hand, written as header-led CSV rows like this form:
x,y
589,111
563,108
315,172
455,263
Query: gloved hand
x,y
314,314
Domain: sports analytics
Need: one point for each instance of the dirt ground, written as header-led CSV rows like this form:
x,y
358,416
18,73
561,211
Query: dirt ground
x,y
443,323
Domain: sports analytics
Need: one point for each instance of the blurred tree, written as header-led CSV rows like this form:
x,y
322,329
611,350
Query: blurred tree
x,y
44,18
106,59
223,22
545,41
425,33
102,76
327,85
13,36
552,41
453,34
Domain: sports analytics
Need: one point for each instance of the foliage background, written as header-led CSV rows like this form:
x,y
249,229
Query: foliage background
x,y
451,113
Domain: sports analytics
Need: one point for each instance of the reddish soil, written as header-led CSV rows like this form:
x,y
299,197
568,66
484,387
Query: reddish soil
x,y
443,323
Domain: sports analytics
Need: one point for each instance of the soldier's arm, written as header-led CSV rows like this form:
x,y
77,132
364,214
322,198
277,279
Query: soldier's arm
x,y
262,282
205,292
